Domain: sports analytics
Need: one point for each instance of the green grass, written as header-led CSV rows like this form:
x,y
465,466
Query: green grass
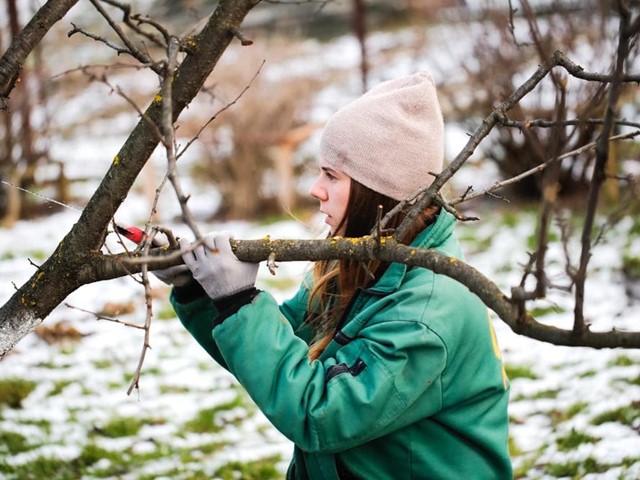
x,y
59,386
263,469
538,312
576,470
14,390
166,312
519,371
207,420
120,427
573,440
626,415
12,443
622,361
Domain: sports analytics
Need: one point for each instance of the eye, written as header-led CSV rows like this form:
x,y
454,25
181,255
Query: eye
x,y
329,174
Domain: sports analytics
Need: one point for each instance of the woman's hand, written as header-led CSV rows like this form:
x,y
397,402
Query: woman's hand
x,y
214,265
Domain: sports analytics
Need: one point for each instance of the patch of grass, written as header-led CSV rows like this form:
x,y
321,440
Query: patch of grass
x,y
475,243
37,255
574,439
532,240
91,454
588,374
629,461
625,415
209,447
44,425
520,371
549,393
173,389
14,390
80,467
514,449
120,427
42,467
58,387
622,361
538,312
576,469
511,218
264,469
207,421
166,312
631,267
13,442
558,416
102,364
575,409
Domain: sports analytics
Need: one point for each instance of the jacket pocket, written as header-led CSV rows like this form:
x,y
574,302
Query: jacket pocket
x,y
340,368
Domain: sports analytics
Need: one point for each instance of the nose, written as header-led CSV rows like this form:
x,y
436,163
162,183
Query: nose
x,y
317,191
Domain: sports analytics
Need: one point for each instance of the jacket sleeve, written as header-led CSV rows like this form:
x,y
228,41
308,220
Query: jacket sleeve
x,y
367,390
198,317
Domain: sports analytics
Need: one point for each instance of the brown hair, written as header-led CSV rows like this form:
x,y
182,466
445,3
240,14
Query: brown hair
x,y
336,281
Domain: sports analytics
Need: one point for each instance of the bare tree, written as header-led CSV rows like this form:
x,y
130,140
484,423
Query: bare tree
x,y
186,64
19,155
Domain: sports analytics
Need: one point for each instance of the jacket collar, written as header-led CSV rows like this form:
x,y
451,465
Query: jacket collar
x,y
431,237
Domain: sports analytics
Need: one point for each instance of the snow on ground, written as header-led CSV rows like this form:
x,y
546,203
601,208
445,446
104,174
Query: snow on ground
x,y
563,391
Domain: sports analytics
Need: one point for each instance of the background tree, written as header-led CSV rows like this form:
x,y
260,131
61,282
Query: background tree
x,y
20,152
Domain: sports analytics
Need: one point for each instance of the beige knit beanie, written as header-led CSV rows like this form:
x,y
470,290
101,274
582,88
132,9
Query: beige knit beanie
x,y
390,138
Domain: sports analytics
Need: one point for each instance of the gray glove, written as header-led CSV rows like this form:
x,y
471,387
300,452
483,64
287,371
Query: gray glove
x,y
215,266
178,276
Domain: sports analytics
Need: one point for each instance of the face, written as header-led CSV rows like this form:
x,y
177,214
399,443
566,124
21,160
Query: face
x,y
332,188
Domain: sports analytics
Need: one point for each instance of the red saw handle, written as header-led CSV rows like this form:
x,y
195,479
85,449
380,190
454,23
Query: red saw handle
x,y
135,234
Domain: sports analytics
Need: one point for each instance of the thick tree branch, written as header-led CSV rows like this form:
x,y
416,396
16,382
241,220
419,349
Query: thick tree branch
x,y
99,267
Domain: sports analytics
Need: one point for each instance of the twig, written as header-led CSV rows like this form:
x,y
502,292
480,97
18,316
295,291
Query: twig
x,y
128,17
97,38
563,123
496,186
131,49
240,36
215,115
120,92
169,138
135,381
102,317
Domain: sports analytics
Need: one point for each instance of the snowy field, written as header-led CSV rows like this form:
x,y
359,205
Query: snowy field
x,y
575,412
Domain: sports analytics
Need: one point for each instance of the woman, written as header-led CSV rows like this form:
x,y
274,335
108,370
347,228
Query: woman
x,y
375,371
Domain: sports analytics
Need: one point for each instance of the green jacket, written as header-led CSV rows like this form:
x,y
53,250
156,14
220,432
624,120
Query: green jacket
x,y
412,386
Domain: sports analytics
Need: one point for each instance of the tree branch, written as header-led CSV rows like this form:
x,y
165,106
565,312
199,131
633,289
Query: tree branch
x,y
99,267
598,177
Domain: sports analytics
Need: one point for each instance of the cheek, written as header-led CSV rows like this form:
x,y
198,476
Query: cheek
x,y
343,200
